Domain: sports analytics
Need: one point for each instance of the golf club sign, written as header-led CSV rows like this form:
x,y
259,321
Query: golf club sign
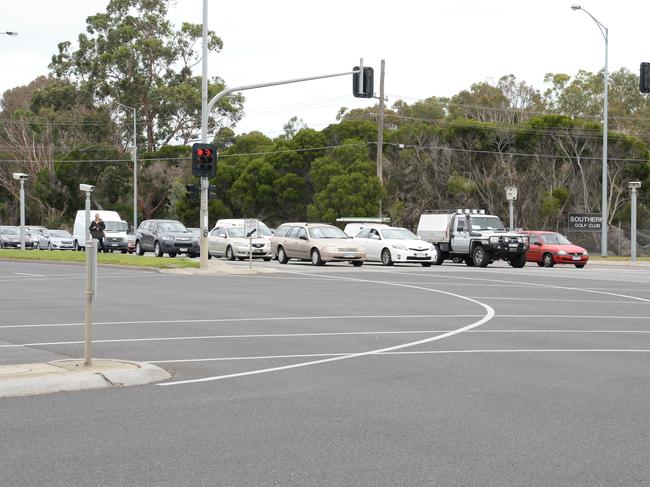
x,y
585,222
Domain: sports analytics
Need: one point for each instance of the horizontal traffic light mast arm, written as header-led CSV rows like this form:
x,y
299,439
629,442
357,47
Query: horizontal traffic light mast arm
x,y
226,92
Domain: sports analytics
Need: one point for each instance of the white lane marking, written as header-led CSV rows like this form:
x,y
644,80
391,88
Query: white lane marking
x,y
79,276
488,316
512,298
239,320
28,274
309,318
322,334
547,286
405,352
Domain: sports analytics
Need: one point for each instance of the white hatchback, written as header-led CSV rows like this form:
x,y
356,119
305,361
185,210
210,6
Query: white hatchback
x,y
393,244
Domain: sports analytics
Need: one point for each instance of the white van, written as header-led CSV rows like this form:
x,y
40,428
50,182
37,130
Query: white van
x,y
116,229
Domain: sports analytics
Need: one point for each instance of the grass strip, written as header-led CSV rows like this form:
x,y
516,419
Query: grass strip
x,y
114,258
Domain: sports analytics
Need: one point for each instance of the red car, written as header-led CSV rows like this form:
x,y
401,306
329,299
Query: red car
x,y
550,248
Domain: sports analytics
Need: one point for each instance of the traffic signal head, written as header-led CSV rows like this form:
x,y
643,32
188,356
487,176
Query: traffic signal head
x,y
644,78
365,91
204,160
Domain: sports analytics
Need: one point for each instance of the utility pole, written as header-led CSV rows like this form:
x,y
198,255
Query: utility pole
x,y
380,135
203,217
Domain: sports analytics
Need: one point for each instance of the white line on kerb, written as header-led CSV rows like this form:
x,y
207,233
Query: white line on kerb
x,y
488,316
28,274
404,352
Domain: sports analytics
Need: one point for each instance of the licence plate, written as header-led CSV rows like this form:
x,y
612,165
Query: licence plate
x,y
258,251
514,246
113,245
576,257
420,254
183,249
349,254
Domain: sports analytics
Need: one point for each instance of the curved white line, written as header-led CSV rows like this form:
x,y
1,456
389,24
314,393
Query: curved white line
x,y
488,316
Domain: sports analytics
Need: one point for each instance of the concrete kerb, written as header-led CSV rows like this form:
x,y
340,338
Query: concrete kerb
x,y
73,375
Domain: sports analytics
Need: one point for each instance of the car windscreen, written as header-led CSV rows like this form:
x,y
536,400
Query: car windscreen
x,y
486,223
399,234
59,233
555,239
171,227
327,232
264,230
10,231
236,232
116,226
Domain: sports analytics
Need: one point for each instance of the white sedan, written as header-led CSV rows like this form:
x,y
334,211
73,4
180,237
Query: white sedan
x,y
393,244
231,243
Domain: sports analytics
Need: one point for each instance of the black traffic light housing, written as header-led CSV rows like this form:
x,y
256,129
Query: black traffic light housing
x,y
644,78
367,90
204,160
194,192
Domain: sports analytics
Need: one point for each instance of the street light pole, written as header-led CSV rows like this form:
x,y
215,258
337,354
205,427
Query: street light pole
x,y
605,204
134,156
21,177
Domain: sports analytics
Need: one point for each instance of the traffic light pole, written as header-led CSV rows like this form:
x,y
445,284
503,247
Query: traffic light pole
x,y
204,138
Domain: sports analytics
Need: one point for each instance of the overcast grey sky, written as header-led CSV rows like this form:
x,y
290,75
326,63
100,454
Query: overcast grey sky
x,y
431,48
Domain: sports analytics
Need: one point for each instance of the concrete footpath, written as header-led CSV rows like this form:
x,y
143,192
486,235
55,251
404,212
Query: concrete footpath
x,y
73,375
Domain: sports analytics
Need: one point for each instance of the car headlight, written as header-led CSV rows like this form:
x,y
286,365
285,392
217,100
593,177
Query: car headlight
x,y
167,237
585,253
561,252
399,247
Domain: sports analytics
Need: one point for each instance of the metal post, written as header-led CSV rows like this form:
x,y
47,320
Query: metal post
x,y
87,216
605,201
380,135
205,184
91,276
250,252
22,214
511,209
633,227
135,173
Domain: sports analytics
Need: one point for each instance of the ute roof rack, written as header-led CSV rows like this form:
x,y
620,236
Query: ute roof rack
x,y
356,219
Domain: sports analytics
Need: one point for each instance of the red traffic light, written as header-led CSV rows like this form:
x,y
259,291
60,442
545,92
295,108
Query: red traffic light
x,y
207,152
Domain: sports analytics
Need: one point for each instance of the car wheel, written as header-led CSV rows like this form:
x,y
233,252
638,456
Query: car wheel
x,y
123,251
315,257
541,264
138,248
157,251
469,262
282,256
519,261
172,254
480,256
437,255
459,260
49,246
426,264
76,246
386,258
580,266
547,260
230,255
356,263
209,255
267,259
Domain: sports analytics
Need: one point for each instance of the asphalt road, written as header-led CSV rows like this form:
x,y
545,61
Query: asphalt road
x,y
337,375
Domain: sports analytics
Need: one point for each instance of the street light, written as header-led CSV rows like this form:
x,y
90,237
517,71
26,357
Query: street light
x,y
134,155
604,210
19,176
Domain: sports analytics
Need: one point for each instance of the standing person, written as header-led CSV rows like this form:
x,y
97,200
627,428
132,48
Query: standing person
x,y
97,228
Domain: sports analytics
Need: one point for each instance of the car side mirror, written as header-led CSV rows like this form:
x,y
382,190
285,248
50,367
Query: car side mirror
x,y
302,237
538,243
222,235
376,237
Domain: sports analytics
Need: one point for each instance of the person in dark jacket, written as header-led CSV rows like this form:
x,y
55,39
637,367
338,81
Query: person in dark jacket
x,y
97,228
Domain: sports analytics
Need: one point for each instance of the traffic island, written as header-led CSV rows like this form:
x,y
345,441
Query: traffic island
x,y
73,375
